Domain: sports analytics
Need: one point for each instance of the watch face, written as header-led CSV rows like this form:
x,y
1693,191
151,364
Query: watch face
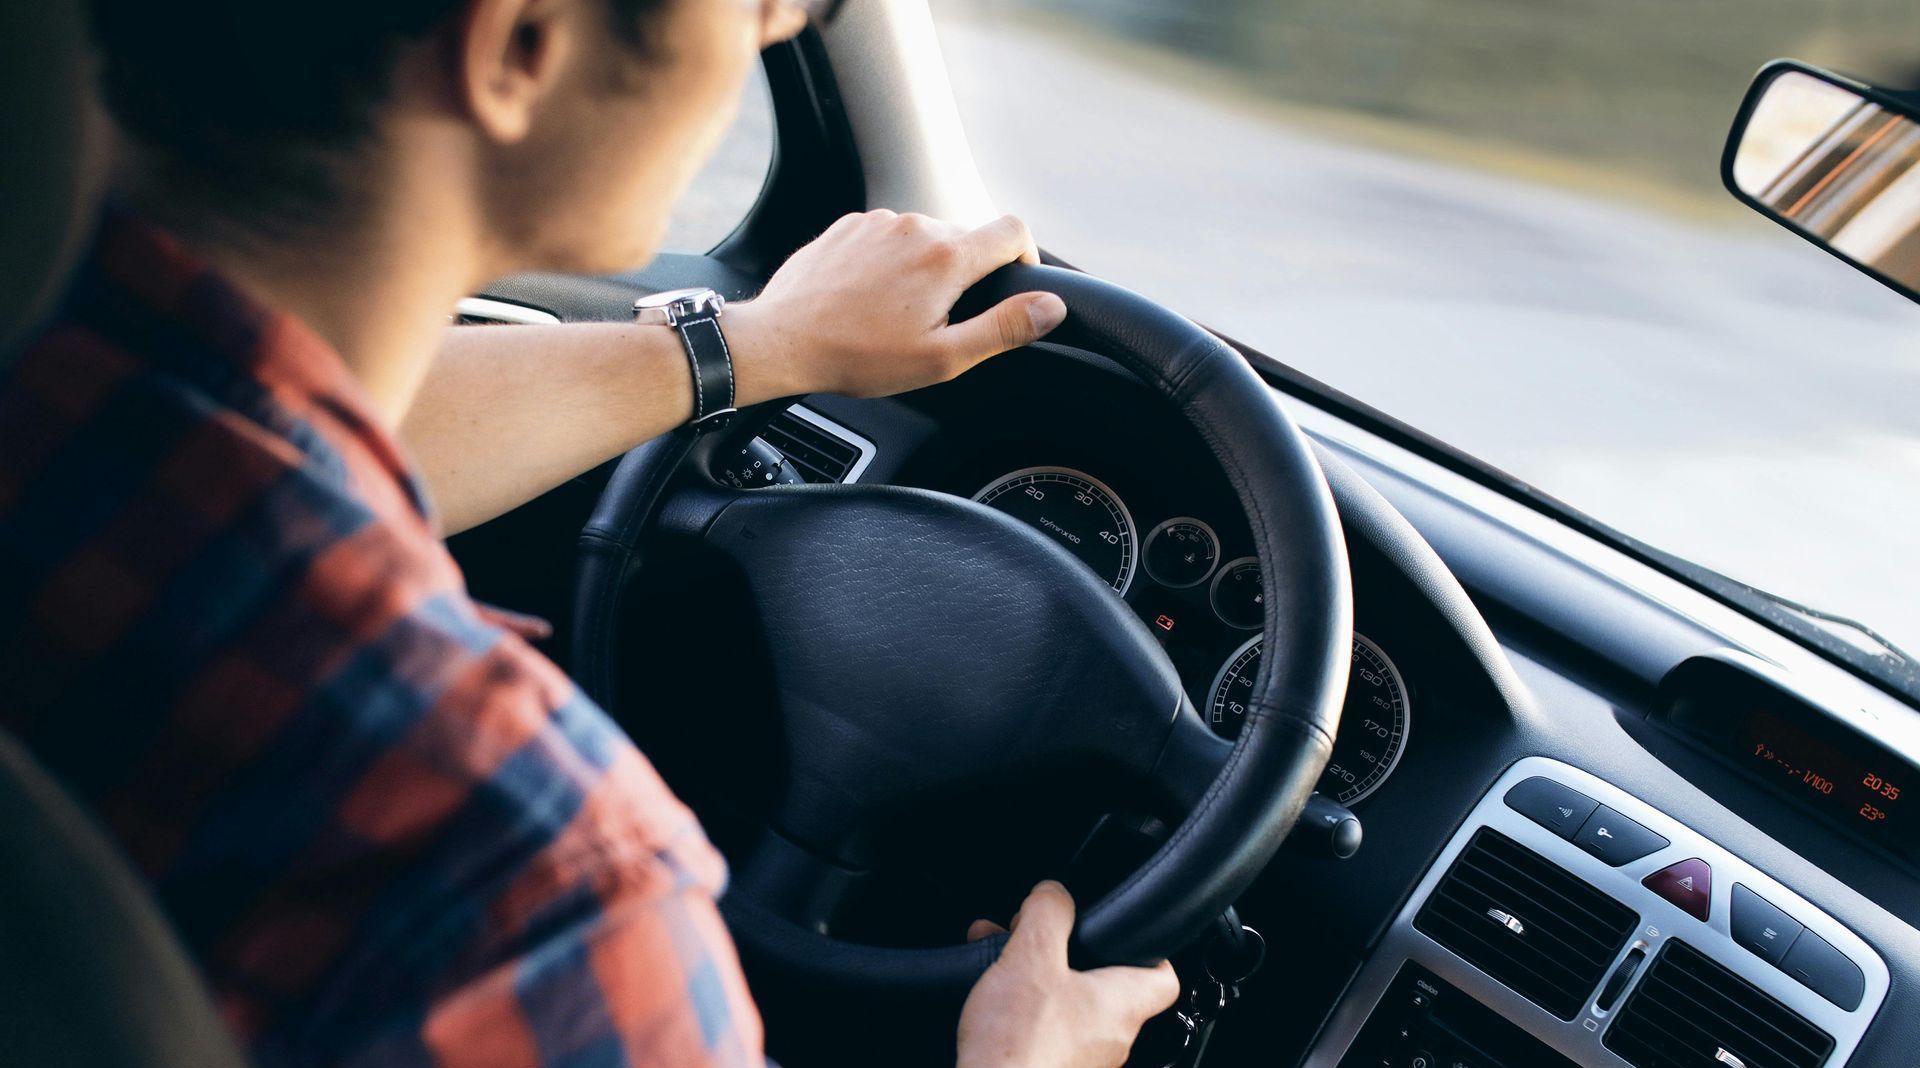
x,y
661,300
676,305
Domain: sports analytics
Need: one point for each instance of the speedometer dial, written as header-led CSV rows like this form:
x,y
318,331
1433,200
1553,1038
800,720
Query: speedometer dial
x,y
1077,510
1373,725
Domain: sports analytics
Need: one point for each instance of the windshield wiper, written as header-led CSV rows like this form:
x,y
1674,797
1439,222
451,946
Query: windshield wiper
x,y
1840,635
1848,629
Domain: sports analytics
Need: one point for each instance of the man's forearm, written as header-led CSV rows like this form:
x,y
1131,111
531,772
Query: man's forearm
x,y
508,412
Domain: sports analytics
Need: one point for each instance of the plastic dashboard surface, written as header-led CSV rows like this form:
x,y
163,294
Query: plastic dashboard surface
x,y
1581,1039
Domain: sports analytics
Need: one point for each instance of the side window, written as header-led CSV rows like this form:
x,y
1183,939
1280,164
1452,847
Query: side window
x,y
729,185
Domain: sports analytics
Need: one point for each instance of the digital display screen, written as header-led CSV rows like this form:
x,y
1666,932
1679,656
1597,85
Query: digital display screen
x,y
1818,764
1864,792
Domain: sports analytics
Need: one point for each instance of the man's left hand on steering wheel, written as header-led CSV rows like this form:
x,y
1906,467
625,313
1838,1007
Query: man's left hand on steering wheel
x,y
1032,1007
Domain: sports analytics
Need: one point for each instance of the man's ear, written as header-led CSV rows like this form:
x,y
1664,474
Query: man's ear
x,y
511,54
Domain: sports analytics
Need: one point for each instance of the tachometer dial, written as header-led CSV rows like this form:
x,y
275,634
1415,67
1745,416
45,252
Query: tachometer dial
x,y
1237,595
1181,552
1373,724
1077,510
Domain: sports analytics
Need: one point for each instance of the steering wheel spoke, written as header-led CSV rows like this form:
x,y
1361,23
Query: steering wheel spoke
x,y
1190,762
812,853
788,880
693,507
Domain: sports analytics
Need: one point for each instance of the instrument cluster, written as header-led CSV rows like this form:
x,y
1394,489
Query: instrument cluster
x,y
1206,611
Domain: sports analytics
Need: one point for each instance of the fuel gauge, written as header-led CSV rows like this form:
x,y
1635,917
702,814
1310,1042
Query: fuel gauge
x,y
1238,597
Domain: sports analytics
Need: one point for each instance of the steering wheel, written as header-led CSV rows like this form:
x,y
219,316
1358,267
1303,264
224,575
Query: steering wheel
x,y
924,644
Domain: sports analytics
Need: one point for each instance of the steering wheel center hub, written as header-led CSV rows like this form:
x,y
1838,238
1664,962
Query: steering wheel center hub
x,y
922,644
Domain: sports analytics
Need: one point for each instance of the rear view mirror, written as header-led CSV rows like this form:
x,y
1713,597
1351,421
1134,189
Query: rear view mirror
x,y
1834,161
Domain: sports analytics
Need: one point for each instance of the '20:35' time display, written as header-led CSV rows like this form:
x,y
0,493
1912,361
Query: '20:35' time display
x,y
1814,759
1840,779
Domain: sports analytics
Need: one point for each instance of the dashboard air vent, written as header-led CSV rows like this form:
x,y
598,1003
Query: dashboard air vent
x,y
485,311
1527,922
1690,1011
819,448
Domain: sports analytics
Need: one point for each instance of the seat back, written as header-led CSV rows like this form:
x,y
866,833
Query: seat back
x,y
90,974
57,147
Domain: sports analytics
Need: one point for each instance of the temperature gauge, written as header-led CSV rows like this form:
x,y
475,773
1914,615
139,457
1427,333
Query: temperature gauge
x,y
1181,552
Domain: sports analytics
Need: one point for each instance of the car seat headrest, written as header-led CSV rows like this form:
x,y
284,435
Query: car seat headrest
x,y
57,146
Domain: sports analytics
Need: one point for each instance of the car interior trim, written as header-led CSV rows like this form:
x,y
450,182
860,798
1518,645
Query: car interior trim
x,y
1660,920
913,148
503,311
866,448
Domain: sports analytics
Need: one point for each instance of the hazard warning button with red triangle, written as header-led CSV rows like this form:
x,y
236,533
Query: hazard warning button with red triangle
x,y
1688,884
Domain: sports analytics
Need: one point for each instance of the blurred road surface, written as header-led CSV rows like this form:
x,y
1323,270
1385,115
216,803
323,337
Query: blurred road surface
x,y
1724,391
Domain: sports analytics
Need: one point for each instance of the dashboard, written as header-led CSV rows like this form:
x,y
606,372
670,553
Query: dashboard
x,y
1137,502
1751,772
1697,918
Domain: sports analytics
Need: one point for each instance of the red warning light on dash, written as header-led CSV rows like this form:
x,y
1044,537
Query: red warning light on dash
x,y
1164,622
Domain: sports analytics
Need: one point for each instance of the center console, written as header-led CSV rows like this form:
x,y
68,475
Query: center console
x,y
1569,924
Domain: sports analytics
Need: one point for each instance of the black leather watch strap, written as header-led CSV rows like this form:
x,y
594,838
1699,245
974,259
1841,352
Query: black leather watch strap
x,y
712,363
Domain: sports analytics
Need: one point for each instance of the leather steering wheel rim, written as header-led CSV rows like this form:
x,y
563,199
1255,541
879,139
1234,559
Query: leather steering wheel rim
x,y
1237,823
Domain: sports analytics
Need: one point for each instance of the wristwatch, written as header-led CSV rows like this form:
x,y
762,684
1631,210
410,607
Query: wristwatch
x,y
695,314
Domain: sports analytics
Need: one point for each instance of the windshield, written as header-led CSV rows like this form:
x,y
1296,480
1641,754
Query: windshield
x,y
1500,221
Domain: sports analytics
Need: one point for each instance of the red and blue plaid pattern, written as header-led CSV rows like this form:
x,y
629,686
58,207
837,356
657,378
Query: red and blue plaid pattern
x,y
390,831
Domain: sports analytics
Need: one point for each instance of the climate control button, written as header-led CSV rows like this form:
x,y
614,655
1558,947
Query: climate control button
x,y
1825,970
1763,929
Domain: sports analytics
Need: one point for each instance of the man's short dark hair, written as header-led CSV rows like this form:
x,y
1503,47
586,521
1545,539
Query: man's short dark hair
x,y
252,99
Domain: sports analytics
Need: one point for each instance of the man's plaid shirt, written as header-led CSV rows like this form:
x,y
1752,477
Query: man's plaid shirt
x,y
389,830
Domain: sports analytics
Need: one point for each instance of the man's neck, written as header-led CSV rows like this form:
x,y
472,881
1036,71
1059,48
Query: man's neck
x,y
378,286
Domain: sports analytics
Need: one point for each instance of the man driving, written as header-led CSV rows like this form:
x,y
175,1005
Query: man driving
x,y
390,831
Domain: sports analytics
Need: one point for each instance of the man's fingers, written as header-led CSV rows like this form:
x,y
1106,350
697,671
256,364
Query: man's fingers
x,y
1045,921
785,24
1013,322
997,244
979,929
1141,993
